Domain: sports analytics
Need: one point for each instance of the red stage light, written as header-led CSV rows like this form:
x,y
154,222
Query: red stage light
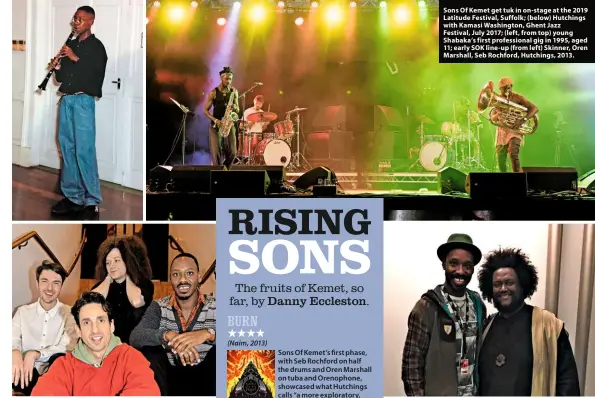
x,y
221,21
299,21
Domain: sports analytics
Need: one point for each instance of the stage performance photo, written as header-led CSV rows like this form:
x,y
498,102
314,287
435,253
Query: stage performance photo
x,y
77,126
114,309
307,98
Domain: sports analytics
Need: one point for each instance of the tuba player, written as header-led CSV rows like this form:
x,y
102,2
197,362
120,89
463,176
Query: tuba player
x,y
509,140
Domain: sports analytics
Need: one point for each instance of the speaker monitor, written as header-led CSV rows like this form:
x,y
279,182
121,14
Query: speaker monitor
x,y
587,181
551,179
193,178
276,175
159,177
486,186
451,180
239,183
317,176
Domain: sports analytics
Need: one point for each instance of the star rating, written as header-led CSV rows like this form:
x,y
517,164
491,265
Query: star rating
x,y
242,333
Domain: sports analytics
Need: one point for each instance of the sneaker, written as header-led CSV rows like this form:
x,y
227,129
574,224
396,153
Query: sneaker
x,y
65,206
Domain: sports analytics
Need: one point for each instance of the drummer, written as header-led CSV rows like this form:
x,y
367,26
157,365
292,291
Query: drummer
x,y
255,127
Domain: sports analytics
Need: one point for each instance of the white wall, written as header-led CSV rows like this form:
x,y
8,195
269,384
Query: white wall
x,y
64,241
199,240
411,267
19,31
572,246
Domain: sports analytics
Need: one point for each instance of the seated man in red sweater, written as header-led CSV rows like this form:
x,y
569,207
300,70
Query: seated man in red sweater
x,y
100,364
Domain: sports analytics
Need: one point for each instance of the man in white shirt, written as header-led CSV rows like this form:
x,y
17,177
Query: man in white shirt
x,y
255,127
42,330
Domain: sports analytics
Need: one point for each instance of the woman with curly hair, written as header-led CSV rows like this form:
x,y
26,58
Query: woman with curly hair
x,y
124,276
526,350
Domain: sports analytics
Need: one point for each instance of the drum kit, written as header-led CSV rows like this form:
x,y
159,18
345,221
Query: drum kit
x,y
456,144
278,148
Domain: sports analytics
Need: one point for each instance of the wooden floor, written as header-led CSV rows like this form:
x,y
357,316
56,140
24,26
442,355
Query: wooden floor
x,y
34,192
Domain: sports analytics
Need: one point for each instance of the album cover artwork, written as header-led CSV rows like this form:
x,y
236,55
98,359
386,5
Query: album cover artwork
x,y
250,374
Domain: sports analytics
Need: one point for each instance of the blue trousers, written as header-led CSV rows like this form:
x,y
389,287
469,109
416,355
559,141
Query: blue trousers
x,y
79,180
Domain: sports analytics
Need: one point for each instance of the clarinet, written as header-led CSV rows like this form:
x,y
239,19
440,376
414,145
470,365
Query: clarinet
x,y
45,81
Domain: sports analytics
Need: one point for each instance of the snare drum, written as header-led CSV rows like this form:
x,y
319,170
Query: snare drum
x,y
452,130
284,129
272,153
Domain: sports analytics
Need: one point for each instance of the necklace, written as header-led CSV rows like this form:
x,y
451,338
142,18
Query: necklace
x,y
510,320
500,360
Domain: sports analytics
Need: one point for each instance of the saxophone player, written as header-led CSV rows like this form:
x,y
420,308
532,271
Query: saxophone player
x,y
223,149
509,140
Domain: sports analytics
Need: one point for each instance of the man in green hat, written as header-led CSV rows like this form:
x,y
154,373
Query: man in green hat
x,y
445,328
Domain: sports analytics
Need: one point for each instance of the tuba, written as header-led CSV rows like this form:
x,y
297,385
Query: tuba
x,y
505,113
229,118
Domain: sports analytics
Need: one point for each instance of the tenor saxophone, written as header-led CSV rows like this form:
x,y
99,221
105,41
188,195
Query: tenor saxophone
x,y
230,116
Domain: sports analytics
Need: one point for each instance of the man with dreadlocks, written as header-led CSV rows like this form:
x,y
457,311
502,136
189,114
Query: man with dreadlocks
x,y
223,149
526,350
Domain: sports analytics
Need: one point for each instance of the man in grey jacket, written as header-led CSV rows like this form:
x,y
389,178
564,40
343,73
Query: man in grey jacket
x,y
445,328
177,334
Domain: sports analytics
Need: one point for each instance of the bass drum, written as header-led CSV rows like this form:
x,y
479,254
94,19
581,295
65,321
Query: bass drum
x,y
433,155
271,152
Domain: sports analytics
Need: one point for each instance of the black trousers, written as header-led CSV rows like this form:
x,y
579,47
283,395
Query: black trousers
x,y
223,150
28,389
513,148
198,380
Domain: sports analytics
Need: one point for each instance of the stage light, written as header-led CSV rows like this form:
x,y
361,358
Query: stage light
x,y
257,13
353,4
281,4
221,21
383,4
333,14
236,5
146,20
402,14
314,4
421,3
176,14
194,4
299,21
156,4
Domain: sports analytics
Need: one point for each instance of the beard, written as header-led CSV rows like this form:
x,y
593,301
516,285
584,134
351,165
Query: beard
x,y
452,280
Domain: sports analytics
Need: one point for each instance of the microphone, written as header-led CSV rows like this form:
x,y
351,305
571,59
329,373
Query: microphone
x,y
258,83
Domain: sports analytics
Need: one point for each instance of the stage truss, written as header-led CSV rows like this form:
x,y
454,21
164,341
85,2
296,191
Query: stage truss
x,y
289,5
388,180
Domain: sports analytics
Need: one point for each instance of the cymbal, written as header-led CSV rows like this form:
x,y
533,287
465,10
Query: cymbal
x,y
424,119
296,110
262,117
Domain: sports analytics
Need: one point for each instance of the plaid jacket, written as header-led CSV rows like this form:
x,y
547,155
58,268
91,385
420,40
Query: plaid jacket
x,y
428,352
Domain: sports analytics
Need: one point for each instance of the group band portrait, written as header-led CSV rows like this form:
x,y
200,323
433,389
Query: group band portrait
x,y
122,336
460,340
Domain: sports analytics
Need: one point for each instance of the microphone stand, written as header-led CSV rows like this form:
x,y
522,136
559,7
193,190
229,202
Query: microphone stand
x,y
186,111
243,109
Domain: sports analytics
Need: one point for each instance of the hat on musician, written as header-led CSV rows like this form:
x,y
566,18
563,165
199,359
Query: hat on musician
x,y
226,70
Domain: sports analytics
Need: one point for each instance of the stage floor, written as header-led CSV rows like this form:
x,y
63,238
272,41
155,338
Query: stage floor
x,y
402,206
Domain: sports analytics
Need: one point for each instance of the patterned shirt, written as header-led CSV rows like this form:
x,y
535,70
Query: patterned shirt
x,y
161,317
467,317
183,321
